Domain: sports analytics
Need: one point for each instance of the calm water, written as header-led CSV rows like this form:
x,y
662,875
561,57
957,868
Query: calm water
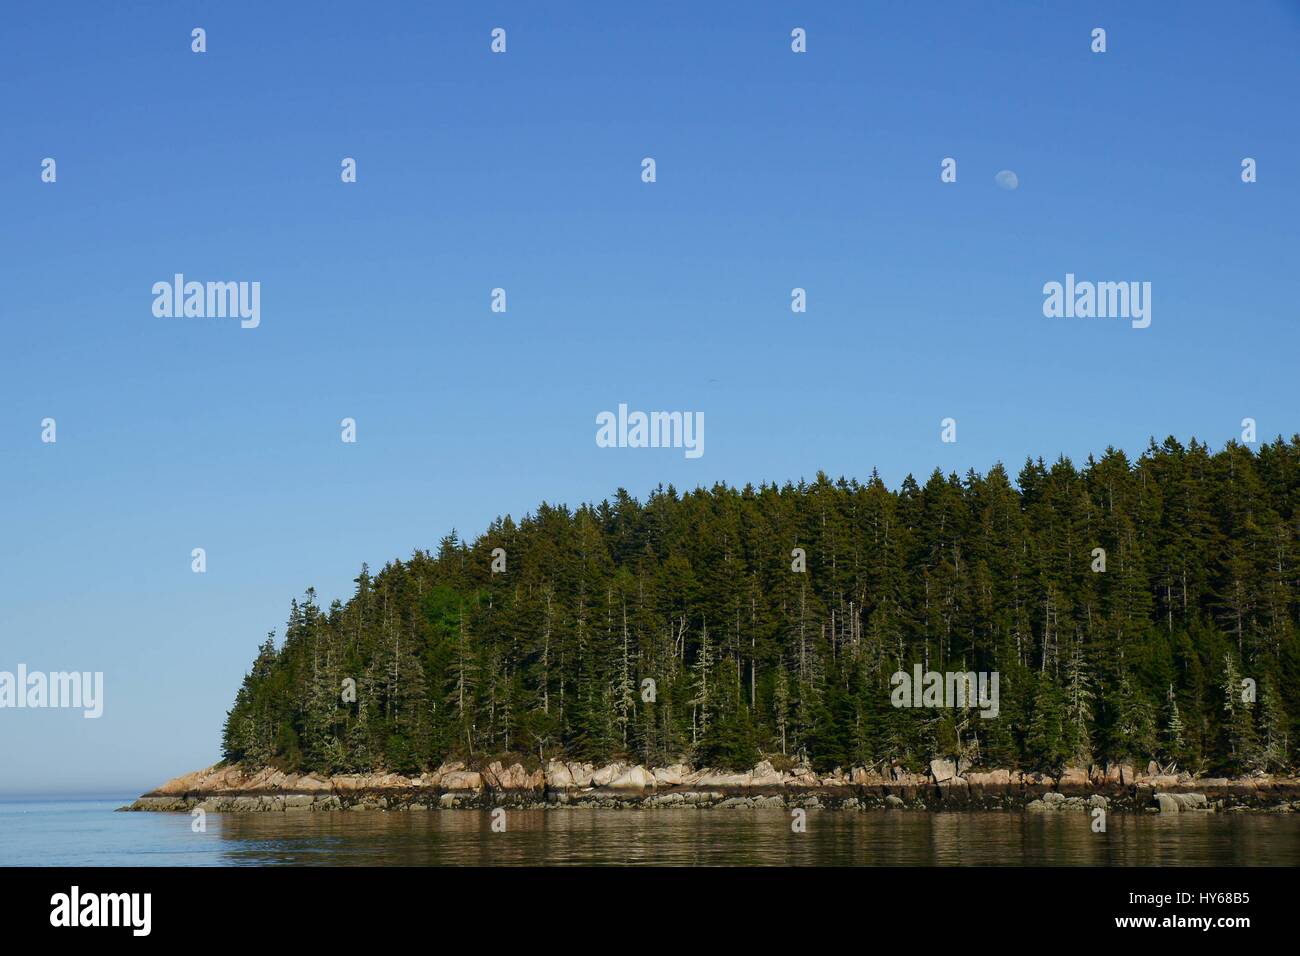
x,y
89,833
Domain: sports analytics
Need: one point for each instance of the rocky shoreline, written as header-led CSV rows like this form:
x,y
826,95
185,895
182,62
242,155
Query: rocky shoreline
x,y
947,785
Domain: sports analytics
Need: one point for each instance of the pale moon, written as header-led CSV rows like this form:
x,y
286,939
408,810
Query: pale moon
x,y
1007,179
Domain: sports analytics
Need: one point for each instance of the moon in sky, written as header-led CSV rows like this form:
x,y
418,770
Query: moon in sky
x,y
1007,179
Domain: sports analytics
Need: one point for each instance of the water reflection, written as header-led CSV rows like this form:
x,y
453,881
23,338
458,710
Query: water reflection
x,y
753,837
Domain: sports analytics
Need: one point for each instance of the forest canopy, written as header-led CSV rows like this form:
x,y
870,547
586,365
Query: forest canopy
x,y
678,628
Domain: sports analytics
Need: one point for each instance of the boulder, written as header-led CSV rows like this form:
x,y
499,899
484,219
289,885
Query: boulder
x,y
665,800
581,774
1167,803
903,778
765,775
603,776
261,779
462,780
671,776
310,783
1075,777
634,778
838,778
736,803
186,783
521,781
514,777
558,776
862,777
1191,801
802,777
702,796
942,770
434,779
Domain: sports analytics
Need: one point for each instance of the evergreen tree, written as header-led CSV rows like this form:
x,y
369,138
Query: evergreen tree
x,y
1174,747
750,656
1241,751
1275,754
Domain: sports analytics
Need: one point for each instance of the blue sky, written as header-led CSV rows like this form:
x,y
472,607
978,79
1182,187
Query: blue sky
x,y
522,171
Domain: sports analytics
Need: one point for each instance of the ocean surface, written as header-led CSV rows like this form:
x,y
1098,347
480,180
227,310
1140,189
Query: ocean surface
x,y
87,832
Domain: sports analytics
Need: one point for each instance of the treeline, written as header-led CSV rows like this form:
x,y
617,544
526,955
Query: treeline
x,y
677,628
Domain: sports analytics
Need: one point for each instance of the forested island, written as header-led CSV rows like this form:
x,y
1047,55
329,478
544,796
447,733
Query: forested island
x,y
723,626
